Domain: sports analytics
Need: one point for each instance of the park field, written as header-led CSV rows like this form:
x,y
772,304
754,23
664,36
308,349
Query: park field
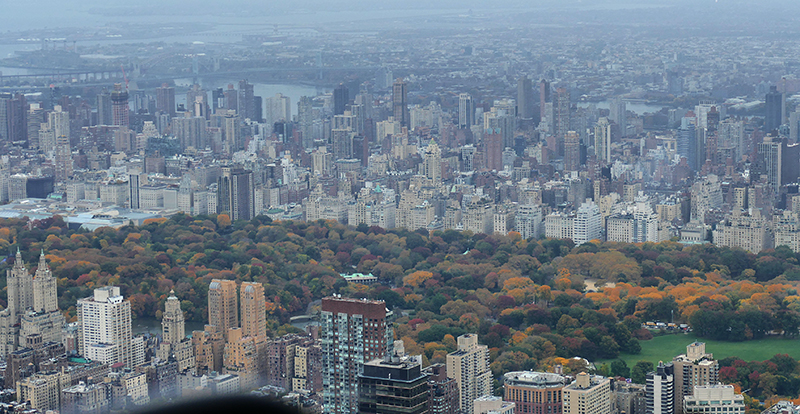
x,y
663,348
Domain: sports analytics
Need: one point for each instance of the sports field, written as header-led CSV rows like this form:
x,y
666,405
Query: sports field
x,y
663,348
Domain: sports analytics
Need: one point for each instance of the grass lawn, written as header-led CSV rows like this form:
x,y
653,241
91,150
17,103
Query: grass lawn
x,y
663,348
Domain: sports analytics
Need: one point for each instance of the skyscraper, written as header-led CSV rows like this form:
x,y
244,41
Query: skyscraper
x,y
524,98
13,110
165,99
236,193
36,117
105,328
231,98
432,163
773,109
254,311
352,332
602,140
660,391
104,111
119,106
133,191
247,102
572,151
469,366
32,315
279,108
400,102
544,97
694,368
393,386
686,144
466,111
493,148
197,101
173,325
618,114
305,118
223,312
341,96
561,118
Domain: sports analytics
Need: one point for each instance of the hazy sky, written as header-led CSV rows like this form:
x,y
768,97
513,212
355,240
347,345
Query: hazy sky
x,y
93,13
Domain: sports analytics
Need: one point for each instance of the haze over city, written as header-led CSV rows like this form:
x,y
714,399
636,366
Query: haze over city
x,y
449,207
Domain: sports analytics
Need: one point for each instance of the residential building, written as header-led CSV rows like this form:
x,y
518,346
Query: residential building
x,y
469,366
588,394
490,404
352,332
660,390
534,392
105,328
393,385
694,368
716,398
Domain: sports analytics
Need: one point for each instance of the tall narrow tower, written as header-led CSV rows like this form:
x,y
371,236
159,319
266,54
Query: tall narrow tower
x,y
45,298
254,310
173,326
469,366
400,102
119,106
353,333
223,309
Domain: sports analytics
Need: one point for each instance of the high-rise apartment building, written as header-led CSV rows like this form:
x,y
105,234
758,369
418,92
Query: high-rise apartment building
x,y
588,394
469,366
694,368
773,109
173,325
254,310
393,386
561,118
544,97
524,98
660,390
618,113
197,101
104,112
247,101
442,391
165,100
353,332
105,328
602,140
13,123
400,102
715,398
534,392
432,163
466,111
341,96
223,312
572,151
236,193
279,109
120,112
32,307
588,224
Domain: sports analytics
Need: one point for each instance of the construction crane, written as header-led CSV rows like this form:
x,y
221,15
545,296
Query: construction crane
x,y
124,76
